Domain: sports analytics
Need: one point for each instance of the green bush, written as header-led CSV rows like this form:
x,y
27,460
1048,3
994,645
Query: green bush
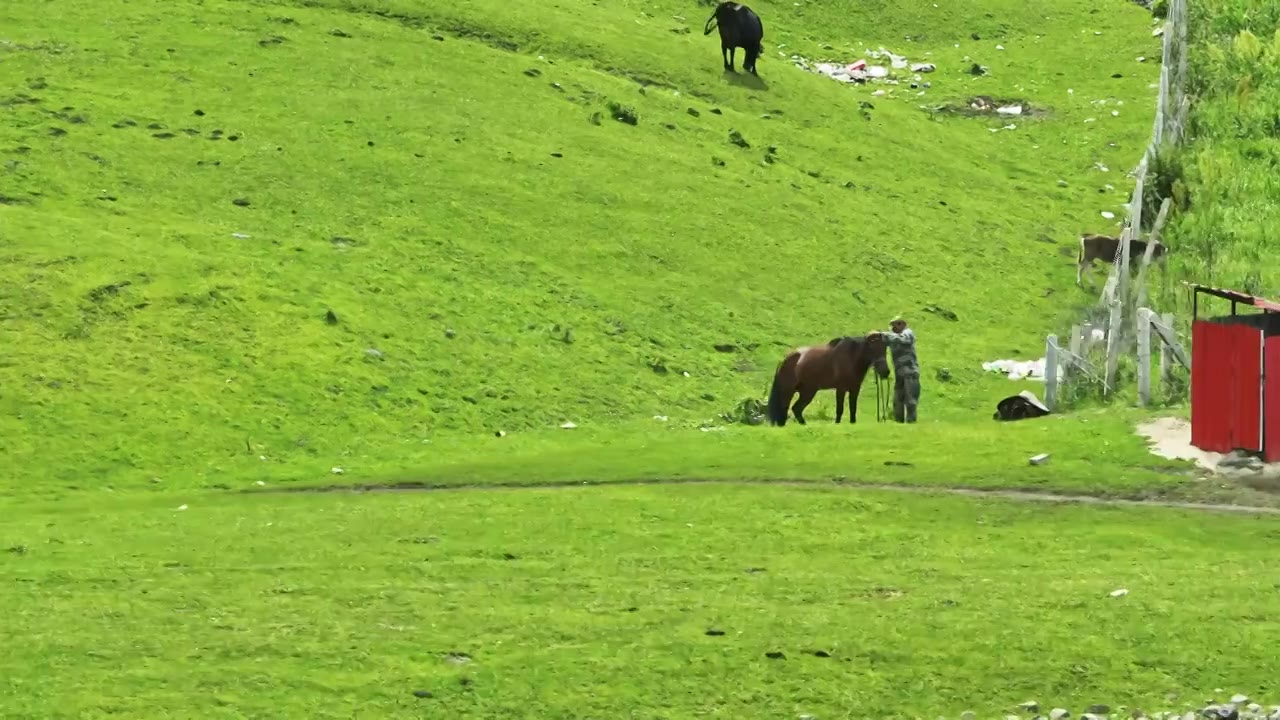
x,y
1164,180
1224,178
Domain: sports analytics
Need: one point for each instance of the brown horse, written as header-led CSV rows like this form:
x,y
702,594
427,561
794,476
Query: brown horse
x,y
840,365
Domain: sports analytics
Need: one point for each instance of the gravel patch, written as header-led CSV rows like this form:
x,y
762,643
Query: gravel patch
x,y
1240,707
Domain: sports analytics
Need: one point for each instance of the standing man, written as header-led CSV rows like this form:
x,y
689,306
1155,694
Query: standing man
x,y
906,369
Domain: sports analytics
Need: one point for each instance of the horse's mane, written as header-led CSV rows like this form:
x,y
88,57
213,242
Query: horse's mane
x,y
855,343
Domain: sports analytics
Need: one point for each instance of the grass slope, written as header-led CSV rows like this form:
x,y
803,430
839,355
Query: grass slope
x,y
495,259
332,605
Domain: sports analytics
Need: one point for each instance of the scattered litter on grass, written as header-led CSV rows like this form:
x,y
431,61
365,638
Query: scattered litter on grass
x,y
1119,593
1019,369
660,418
1040,459
569,425
860,71
1108,214
337,471
240,236
182,507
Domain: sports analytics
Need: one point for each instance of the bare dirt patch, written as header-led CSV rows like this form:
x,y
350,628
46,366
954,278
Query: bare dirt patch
x,y
1007,494
987,106
1170,438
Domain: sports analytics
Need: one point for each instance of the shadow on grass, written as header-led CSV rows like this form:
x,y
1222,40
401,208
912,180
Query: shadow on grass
x,y
746,80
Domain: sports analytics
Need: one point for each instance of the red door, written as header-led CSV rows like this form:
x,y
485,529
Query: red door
x,y
1210,381
1246,406
1226,387
1271,400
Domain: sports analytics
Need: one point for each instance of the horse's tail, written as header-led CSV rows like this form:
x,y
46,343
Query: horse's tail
x,y
784,384
711,22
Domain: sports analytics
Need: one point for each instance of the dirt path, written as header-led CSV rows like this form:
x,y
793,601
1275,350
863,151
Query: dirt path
x,y
1017,495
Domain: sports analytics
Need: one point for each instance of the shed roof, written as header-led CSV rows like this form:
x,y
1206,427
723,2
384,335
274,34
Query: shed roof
x,y
1237,297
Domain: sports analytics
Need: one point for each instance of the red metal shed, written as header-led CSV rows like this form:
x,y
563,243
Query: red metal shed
x,y
1233,407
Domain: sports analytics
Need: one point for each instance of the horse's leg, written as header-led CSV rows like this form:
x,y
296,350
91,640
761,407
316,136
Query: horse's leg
x,y
724,55
732,51
853,403
802,402
840,407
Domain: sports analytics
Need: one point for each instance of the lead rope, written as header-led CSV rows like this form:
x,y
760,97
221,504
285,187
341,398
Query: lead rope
x,y
888,400
881,413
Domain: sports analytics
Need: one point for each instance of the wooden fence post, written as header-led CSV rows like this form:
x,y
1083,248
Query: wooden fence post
x,y
1144,357
1073,349
1166,352
1113,345
1051,372
1161,218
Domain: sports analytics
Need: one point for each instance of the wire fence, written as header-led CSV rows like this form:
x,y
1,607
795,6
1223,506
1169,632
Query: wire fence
x,y
1147,210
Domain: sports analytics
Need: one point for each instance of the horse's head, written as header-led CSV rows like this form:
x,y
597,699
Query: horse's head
x,y
873,352
714,20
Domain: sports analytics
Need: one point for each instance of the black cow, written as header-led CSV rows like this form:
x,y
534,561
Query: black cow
x,y
739,28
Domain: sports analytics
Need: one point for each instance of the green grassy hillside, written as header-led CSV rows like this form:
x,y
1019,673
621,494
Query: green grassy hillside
x,y
248,240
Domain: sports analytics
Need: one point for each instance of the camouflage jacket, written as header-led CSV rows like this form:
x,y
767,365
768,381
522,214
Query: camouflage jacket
x,y
902,347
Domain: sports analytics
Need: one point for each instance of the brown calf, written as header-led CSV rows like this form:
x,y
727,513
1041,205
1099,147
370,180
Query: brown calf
x,y
1104,247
